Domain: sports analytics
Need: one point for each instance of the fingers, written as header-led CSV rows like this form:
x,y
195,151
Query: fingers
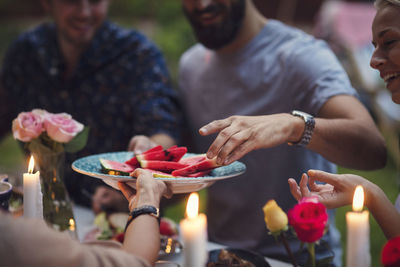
x,y
126,190
214,126
305,192
168,191
326,177
294,189
238,153
224,143
140,143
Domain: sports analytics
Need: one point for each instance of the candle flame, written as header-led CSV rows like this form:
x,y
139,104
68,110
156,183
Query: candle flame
x,y
192,207
358,199
71,224
31,165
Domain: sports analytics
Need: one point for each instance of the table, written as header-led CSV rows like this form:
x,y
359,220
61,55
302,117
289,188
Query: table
x,y
84,223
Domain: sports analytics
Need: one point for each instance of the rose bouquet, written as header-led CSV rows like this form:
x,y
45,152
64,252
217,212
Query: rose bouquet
x,y
308,219
44,131
48,136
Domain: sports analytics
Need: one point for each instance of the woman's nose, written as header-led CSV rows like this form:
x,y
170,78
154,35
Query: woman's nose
x,y
377,59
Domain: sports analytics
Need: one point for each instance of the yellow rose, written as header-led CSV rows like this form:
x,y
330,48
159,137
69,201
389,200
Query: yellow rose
x,y
275,218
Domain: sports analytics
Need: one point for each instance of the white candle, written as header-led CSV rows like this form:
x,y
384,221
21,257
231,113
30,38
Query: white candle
x,y
194,233
32,192
358,252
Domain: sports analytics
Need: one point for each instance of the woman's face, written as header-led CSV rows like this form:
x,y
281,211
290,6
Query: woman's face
x,y
386,39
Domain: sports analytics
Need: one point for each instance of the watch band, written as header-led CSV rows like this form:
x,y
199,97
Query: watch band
x,y
151,210
308,128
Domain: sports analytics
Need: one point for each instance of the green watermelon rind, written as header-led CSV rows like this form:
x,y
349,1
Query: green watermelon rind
x,y
107,168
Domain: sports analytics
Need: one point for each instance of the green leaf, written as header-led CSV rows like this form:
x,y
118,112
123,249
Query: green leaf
x,y
78,142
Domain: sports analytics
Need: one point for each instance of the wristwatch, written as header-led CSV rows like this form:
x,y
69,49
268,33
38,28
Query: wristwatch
x,y
151,210
308,129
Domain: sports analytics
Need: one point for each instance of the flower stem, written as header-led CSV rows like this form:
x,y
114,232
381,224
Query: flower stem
x,y
285,243
311,251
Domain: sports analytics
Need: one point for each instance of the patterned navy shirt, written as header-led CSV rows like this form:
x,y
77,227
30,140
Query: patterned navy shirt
x,y
121,88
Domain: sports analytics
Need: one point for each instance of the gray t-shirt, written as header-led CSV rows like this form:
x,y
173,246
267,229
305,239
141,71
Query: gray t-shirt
x,y
280,70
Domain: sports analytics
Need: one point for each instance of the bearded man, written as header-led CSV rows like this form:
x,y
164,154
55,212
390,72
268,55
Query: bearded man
x,y
261,84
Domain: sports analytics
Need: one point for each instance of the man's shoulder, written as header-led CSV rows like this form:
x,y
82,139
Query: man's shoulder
x,y
35,35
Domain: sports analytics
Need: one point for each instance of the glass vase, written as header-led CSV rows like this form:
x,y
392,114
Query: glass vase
x,y
57,206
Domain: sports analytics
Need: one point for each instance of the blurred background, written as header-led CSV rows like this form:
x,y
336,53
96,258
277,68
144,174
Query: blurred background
x,y
345,25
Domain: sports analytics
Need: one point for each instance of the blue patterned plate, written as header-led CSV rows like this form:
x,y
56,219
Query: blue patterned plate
x,y
90,166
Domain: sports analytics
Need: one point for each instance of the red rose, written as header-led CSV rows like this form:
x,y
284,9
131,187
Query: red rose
x,y
391,253
308,220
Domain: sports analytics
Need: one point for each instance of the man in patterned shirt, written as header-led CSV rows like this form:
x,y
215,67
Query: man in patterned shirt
x,y
111,79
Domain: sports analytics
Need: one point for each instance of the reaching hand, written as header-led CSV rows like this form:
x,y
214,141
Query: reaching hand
x,y
238,135
148,190
140,143
338,190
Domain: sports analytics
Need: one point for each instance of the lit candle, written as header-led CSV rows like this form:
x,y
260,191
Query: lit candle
x,y
32,192
194,233
358,253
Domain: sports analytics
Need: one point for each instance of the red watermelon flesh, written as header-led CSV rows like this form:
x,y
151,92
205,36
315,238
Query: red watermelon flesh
x,y
135,163
191,160
204,165
159,165
115,168
170,154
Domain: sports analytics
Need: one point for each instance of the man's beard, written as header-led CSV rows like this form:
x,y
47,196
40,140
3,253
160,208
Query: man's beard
x,y
218,35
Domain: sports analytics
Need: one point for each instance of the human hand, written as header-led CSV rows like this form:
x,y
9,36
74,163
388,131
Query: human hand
x,y
140,143
148,190
238,135
337,192
108,199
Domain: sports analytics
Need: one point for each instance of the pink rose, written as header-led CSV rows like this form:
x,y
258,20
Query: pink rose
x,y
27,126
61,127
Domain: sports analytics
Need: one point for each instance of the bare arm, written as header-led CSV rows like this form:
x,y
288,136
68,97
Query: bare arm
x,y
339,191
142,237
344,134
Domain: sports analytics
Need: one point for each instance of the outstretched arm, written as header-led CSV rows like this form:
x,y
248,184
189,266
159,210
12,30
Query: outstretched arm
x,y
339,191
344,134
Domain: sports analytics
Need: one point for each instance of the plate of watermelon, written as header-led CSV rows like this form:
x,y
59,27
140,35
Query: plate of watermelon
x,y
185,172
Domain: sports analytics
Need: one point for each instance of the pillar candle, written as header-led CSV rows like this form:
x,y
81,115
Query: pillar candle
x,y
194,234
32,193
358,251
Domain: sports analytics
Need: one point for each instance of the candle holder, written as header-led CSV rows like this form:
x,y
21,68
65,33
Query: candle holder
x,y
57,206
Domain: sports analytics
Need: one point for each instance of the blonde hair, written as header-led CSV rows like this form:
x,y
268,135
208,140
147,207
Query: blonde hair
x,y
382,3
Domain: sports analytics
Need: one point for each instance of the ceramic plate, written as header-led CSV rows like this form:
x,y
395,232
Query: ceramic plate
x,y
90,166
247,255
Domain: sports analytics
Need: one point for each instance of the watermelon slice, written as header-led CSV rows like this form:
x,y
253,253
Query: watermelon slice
x,y
159,165
135,163
115,168
170,154
191,160
204,165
